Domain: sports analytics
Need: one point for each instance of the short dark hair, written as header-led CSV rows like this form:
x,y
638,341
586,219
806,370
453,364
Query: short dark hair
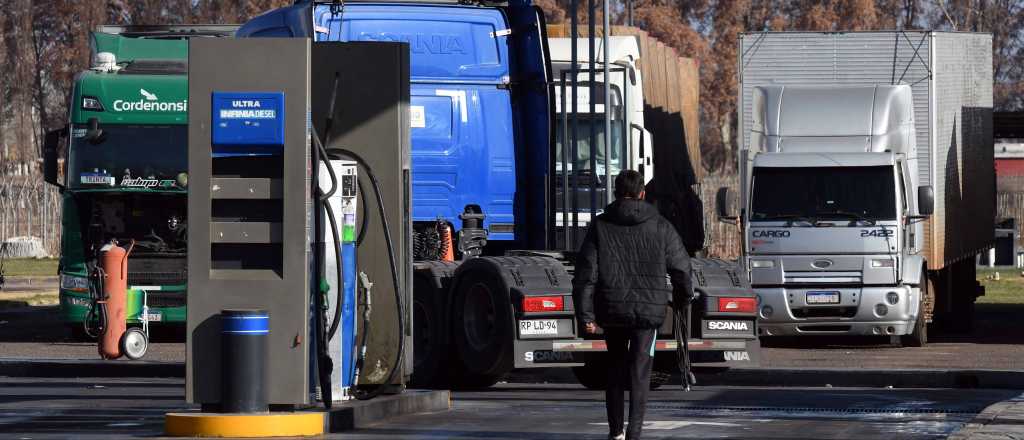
x,y
629,184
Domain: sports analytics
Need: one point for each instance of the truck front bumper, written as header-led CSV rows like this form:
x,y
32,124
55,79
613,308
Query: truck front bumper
x,y
861,310
74,307
704,352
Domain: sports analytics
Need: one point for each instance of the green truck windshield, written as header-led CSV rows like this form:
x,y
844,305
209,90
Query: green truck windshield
x,y
833,193
141,156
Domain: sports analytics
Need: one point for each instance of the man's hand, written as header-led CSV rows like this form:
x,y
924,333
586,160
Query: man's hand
x,y
591,328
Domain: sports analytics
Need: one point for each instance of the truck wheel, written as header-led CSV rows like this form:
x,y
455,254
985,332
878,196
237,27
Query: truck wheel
x,y
919,336
483,330
430,348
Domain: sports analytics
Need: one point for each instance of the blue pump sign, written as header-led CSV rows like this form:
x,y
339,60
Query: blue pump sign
x,y
248,118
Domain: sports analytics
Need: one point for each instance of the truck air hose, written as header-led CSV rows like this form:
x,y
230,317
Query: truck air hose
x,y
381,210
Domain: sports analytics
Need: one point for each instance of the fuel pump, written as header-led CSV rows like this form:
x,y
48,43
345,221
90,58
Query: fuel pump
x,y
283,136
341,239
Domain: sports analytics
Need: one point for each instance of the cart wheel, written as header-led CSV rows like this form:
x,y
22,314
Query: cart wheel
x,y
134,343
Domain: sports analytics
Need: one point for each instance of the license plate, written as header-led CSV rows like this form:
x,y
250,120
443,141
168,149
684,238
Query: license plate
x,y
97,179
822,297
539,327
153,317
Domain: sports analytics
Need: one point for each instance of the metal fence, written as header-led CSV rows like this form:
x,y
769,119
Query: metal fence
x,y
1011,205
30,207
722,240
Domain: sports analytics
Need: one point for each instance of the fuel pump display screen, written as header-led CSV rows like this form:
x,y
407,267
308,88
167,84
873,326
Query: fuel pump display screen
x,y
248,118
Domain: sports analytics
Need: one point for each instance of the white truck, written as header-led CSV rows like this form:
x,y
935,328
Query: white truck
x,y
867,180
629,146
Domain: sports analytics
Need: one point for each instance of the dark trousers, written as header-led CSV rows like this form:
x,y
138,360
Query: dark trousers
x,y
631,356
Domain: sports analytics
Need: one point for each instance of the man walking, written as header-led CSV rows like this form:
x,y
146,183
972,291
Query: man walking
x,y
620,287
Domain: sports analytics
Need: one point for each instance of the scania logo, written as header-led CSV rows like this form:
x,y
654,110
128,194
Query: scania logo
x,y
728,325
422,43
548,356
764,233
736,356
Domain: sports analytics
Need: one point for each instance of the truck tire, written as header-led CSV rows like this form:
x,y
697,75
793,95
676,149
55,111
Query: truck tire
x,y
483,326
919,336
430,345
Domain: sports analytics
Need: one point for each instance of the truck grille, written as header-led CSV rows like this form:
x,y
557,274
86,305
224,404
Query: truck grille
x,y
157,278
823,277
152,270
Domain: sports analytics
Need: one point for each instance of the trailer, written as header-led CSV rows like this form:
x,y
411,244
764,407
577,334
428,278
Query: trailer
x,y
887,137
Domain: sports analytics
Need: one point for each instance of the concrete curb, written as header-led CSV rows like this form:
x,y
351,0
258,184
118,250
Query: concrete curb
x,y
868,378
56,368
1003,420
822,377
361,413
752,377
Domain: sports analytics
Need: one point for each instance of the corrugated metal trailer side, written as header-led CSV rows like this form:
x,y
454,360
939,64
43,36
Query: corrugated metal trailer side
x,y
965,188
950,75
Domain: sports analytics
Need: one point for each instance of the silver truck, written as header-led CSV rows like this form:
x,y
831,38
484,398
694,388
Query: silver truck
x,y
866,180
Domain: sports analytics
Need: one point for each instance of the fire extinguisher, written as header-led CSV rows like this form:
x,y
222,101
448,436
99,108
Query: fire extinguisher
x,y
113,303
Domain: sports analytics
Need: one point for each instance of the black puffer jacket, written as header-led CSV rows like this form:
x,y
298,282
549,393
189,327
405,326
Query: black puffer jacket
x,y
621,267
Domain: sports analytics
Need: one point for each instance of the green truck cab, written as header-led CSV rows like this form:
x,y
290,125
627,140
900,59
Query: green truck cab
x,y
121,166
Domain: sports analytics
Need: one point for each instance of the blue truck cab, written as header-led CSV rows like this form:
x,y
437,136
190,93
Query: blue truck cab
x,y
480,113
481,135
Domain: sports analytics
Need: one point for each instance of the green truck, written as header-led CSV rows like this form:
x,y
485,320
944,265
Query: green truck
x,y
121,167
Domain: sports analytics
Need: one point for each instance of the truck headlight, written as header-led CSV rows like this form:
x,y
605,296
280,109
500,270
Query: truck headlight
x,y
91,103
74,283
883,262
762,264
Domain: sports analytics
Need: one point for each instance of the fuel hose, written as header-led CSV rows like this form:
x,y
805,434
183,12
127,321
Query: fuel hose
x,y
399,303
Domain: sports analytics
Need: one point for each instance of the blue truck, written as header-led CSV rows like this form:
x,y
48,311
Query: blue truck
x,y
483,118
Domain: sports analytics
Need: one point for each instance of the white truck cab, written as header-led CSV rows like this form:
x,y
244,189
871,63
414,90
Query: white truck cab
x,y
832,211
630,141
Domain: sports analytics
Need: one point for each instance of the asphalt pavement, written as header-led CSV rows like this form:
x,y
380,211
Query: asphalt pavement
x,y
996,343
91,408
